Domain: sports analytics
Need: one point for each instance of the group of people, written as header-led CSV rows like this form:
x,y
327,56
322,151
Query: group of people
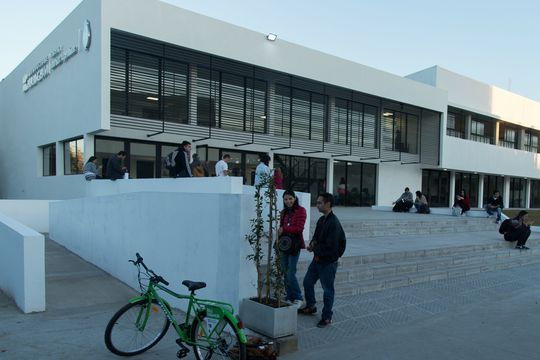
x,y
405,202
115,168
327,246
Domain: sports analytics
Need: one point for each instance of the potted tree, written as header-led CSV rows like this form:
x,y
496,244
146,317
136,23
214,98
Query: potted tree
x,y
267,313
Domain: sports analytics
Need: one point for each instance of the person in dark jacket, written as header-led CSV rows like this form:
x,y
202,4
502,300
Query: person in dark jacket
x,y
328,244
291,222
181,161
519,230
495,205
115,170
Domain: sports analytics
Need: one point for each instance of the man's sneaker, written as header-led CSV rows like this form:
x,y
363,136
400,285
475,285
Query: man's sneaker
x,y
324,323
523,247
307,310
519,247
298,303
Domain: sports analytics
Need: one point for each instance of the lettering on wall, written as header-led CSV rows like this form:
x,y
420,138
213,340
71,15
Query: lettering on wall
x,y
55,59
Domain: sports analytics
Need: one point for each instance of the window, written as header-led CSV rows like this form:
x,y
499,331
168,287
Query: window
x,y
531,141
49,160
354,183
436,186
455,125
469,183
492,183
74,157
400,132
507,137
479,131
517,192
354,123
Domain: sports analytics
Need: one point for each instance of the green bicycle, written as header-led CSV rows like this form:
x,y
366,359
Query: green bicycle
x,y
209,326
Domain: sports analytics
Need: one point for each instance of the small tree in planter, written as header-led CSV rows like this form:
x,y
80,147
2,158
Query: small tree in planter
x,y
280,318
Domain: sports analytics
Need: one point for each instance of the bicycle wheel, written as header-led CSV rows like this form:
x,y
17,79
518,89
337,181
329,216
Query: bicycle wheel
x,y
125,334
224,343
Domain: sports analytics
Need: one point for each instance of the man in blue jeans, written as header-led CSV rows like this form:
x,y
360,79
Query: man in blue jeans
x,y
495,205
327,245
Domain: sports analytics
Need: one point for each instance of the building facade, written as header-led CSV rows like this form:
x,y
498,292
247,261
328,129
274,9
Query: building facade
x,y
145,79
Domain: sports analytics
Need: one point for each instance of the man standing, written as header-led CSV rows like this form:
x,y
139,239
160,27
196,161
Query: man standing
x,y
222,166
181,166
262,170
328,245
115,170
495,205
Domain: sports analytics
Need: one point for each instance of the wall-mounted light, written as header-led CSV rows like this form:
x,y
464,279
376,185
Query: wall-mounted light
x,y
271,37
152,98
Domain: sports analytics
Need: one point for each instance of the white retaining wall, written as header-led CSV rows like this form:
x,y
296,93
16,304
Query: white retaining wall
x,y
22,264
32,213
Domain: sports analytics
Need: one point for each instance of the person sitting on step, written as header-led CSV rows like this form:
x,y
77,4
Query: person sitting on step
x,y
404,202
421,204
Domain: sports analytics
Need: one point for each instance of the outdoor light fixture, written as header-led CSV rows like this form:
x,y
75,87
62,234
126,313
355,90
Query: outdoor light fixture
x,y
271,37
153,98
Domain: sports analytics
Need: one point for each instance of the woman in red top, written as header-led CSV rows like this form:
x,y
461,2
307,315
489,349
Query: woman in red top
x,y
278,178
462,200
292,221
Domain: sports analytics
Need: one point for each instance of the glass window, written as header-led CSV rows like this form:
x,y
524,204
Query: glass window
x,y
470,183
49,160
74,157
531,141
400,132
517,192
354,183
492,183
455,125
166,150
535,194
479,131
507,137
105,149
142,160
436,186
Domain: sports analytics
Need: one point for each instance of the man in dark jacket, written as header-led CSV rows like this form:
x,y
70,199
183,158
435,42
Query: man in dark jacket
x,y
181,167
115,170
328,245
495,205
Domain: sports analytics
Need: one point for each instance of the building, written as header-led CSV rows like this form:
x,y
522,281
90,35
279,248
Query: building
x,y
142,76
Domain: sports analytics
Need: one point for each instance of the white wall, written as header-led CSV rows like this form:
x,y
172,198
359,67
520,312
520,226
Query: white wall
x,y
32,213
466,155
393,178
22,264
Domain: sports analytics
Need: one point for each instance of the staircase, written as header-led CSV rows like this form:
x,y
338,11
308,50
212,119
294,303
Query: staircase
x,y
460,253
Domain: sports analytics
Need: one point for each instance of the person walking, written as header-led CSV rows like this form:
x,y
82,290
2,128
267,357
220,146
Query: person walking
x,y
291,223
181,161
222,166
263,170
327,245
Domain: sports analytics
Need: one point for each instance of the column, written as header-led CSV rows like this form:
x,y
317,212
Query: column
x,y
528,194
60,158
480,203
468,122
452,195
89,149
521,139
330,175
496,132
506,192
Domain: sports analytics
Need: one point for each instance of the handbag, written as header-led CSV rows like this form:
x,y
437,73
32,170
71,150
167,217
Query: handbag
x,y
289,244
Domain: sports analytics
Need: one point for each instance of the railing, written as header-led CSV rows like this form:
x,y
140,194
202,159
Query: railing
x,y
507,144
455,133
531,148
481,138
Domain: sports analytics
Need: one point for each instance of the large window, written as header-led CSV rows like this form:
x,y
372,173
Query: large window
x,y
455,125
49,160
436,186
400,132
147,86
299,114
354,183
354,123
74,156
535,194
531,141
508,137
481,131
492,183
517,192
469,183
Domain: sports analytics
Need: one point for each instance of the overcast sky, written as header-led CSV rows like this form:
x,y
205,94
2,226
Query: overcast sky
x,y
493,41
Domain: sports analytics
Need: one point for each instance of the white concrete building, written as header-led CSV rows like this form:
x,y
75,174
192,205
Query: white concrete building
x,y
142,76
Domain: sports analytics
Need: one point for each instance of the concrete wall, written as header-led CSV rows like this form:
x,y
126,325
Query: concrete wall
x,y
393,177
32,213
22,264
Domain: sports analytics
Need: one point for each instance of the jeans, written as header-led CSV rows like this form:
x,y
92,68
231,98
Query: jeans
x,y
288,264
492,211
327,274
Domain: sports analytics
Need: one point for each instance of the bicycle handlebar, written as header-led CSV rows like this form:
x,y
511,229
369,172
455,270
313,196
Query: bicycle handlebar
x,y
155,277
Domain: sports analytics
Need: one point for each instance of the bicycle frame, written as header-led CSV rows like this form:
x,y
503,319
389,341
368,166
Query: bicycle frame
x,y
212,309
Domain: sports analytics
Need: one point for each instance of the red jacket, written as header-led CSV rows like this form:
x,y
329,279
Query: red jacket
x,y
294,223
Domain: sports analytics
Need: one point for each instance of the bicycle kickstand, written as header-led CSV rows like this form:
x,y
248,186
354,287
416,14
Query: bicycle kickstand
x,y
182,353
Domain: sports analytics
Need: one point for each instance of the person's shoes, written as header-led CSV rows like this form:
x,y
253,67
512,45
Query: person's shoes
x,y
497,221
523,247
307,310
298,303
520,247
324,323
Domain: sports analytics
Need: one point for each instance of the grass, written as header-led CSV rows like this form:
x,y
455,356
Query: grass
x,y
533,214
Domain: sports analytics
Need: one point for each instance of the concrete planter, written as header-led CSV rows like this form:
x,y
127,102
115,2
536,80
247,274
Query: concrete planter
x,y
267,320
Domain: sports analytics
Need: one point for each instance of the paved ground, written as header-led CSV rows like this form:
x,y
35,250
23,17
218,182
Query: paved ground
x,y
487,316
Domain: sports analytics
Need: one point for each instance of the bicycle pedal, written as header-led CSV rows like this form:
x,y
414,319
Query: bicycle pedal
x,y
182,353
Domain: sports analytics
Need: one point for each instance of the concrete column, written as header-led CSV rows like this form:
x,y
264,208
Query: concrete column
x,y
330,175
506,192
60,158
468,122
496,132
521,139
528,194
89,149
481,199
452,195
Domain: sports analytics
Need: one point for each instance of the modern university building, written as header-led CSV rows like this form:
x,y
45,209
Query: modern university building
x,y
142,76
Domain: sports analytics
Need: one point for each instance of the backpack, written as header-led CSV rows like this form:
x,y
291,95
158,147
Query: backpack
x,y
506,225
169,162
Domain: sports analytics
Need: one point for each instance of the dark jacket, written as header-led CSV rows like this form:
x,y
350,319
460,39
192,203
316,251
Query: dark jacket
x,y
496,202
114,168
293,222
181,167
326,239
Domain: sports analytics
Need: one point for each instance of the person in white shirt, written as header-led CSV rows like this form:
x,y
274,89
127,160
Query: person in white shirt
x,y
262,169
222,166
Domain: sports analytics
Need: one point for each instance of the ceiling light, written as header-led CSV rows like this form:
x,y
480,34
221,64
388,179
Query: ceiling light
x,y
153,98
271,37
386,113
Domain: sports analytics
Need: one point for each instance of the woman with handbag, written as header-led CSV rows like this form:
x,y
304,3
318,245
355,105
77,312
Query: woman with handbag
x,y
292,221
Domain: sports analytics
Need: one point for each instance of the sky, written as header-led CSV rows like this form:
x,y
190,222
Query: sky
x,y
492,41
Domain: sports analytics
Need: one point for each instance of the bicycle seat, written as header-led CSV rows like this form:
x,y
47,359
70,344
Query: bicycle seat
x,y
193,285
